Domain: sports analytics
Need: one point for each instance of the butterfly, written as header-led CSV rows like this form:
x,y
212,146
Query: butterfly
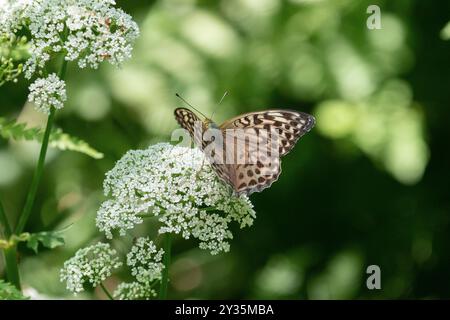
x,y
251,170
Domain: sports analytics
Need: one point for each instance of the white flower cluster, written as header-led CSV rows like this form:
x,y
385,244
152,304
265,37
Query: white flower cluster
x,y
134,291
169,182
146,267
90,265
145,261
11,13
87,31
48,92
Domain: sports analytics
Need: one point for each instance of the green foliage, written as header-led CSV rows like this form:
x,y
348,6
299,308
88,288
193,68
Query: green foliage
x,y
49,239
9,292
10,129
64,141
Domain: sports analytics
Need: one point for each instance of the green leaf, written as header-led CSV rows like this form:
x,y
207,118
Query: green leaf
x,y
49,239
9,292
10,129
63,141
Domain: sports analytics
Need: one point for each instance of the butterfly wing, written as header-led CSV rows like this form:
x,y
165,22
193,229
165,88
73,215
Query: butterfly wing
x,y
187,119
291,125
250,178
256,175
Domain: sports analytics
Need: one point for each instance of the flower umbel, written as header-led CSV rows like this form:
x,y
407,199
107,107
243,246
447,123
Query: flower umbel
x,y
145,261
87,31
134,291
48,92
90,265
170,183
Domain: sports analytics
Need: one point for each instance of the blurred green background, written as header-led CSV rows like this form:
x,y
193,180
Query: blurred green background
x,y
368,185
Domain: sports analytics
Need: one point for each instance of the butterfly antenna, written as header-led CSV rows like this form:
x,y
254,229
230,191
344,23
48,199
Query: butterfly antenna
x,y
221,99
181,98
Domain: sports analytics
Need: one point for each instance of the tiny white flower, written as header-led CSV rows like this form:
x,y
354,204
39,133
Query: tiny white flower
x,y
90,265
169,182
48,92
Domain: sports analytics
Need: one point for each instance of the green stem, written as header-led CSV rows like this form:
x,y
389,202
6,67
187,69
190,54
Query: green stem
x,y
166,261
106,291
40,165
11,263
4,222
37,175
10,254
12,267
63,70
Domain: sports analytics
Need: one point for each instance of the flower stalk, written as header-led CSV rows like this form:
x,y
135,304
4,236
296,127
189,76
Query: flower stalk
x,y
110,297
37,174
10,252
166,262
4,221
12,267
40,166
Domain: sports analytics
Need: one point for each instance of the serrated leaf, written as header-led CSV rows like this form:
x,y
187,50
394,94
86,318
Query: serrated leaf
x,y
63,141
49,239
10,129
9,292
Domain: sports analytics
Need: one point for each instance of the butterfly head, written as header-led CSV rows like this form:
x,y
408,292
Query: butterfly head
x,y
210,124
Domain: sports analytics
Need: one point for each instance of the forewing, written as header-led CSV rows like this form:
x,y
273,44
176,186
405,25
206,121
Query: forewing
x,y
189,120
186,119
